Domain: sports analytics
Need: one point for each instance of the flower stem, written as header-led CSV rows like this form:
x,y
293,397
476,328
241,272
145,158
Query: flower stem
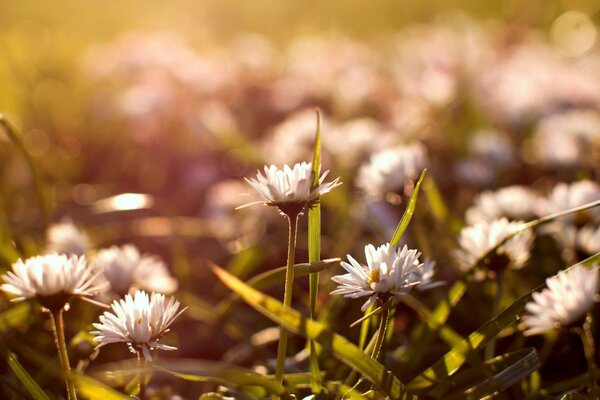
x,y
380,339
287,297
142,376
490,348
587,339
58,326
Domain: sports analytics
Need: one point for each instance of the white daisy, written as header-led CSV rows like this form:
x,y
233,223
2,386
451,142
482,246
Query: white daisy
x,y
576,243
477,240
52,280
290,186
391,170
566,196
139,321
566,139
124,267
389,271
66,238
424,275
568,296
512,202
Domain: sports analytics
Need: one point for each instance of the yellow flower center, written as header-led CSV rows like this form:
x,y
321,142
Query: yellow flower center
x,y
373,276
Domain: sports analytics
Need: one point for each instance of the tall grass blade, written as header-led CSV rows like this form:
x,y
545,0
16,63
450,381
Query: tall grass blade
x,y
408,213
314,255
28,382
38,182
341,348
91,389
455,358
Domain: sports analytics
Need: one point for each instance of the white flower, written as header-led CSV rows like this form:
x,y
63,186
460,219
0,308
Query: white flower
x,y
566,196
124,267
391,170
477,240
290,185
424,275
389,271
492,146
568,296
138,320
567,139
52,279
66,238
588,239
513,202
576,242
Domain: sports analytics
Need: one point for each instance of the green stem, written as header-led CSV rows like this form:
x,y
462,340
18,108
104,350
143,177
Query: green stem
x,y
587,339
287,297
142,375
58,326
380,339
490,348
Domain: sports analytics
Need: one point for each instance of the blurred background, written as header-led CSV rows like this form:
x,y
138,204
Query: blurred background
x,y
143,117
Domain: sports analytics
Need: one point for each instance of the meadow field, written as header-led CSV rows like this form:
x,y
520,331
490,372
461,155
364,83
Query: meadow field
x,y
299,200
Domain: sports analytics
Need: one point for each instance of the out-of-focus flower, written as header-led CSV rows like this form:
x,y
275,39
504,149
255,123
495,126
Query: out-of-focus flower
x,y
427,63
312,76
566,196
577,243
140,321
512,202
293,139
493,147
53,280
588,239
390,271
524,81
360,136
66,238
424,275
567,140
475,172
477,240
290,188
391,170
125,268
568,296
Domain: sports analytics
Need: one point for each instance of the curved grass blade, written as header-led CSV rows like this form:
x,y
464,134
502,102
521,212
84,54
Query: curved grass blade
x,y
314,255
455,358
301,380
508,369
271,278
441,313
28,382
408,213
341,348
92,389
226,374
38,182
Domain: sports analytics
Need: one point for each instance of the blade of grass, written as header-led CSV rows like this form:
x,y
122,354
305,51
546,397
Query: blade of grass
x,y
314,255
39,185
271,278
441,313
508,369
28,382
455,358
92,389
400,229
408,213
341,348
226,374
